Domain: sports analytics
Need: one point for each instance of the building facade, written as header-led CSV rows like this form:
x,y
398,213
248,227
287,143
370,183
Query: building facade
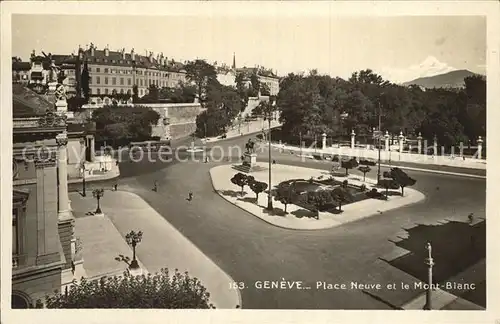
x,y
116,72
44,253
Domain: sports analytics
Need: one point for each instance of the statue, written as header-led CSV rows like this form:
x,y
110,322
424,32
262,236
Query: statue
x,y
60,92
55,72
250,146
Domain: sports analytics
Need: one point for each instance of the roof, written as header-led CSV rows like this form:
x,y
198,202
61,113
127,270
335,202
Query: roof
x,y
119,59
21,66
26,102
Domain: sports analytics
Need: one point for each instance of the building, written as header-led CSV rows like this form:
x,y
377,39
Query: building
x,y
116,72
227,76
45,256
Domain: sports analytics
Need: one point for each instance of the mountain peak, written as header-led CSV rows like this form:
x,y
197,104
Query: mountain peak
x,y
428,67
451,79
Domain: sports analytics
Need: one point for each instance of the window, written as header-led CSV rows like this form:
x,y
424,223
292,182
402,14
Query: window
x,y
105,60
121,81
113,61
106,91
98,91
90,91
98,80
105,80
129,81
97,60
90,80
15,231
98,69
113,81
141,82
106,70
90,69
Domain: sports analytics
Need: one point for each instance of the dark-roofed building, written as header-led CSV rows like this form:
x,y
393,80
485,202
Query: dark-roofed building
x,y
44,255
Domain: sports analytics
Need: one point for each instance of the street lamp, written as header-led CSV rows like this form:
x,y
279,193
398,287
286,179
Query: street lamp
x,y
133,238
269,193
84,191
98,194
430,263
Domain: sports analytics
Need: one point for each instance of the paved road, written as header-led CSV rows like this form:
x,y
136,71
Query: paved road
x,y
250,250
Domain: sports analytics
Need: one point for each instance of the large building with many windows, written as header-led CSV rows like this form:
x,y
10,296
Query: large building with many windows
x,y
116,72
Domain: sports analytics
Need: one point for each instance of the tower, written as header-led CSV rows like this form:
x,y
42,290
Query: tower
x,y
234,61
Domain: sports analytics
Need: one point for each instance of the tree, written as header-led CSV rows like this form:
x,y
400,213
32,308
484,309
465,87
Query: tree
x,y
160,290
116,131
257,187
240,180
85,82
264,89
320,200
285,194
365,169
341,195
349,164
402,179
202,74
137,120
388,184
135,94
255,83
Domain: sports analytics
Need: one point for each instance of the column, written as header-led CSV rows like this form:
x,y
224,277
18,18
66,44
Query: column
x,y
353,139
62,168
92,149
401,139
435,146
323,141
419,141
386,140
480,148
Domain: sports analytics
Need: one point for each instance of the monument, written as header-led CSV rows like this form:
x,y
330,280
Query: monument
x,y
249,159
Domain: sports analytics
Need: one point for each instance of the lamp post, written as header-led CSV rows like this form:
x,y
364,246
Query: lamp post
x,y
133,238
380,131
269,194
430,263
98,194
84,191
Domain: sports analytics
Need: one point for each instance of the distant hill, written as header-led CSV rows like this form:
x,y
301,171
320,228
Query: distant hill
x,y
453,79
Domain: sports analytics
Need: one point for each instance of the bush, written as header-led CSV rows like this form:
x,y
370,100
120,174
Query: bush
x,y
161,290
345,183
362,187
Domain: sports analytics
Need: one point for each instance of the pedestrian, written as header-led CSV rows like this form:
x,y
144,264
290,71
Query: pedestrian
x,y
274,161
115,186
190,196
471,218
155,187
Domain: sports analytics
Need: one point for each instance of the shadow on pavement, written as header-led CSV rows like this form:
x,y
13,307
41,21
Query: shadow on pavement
x,y
456,246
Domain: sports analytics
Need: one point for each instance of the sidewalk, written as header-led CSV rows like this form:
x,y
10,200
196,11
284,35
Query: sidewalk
x,y
254,126
389,156
162,246
296,218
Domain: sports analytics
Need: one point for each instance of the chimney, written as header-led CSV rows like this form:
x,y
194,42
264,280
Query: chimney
x,y
132,54
106,50
92,49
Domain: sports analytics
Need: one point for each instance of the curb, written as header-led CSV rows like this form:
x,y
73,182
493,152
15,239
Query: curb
x,y
240,302
237,136
412,168
437,171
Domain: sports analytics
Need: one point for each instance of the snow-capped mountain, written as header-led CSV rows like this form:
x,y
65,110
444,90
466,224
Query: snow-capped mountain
x,y
429,67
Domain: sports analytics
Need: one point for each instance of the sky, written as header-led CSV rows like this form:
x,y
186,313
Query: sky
x,y
333,45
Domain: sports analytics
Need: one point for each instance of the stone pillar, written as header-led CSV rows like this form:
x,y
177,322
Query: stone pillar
x,y
435,146
479,148
62,168
92,149
401,139
419,139
386,140
353,139
323,141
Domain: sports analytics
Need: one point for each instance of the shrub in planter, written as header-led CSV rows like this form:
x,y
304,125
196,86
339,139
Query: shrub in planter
x,y
345,183
374,194
362,187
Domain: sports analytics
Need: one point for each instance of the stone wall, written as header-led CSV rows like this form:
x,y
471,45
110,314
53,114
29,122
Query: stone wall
x,y
38,285
182,130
